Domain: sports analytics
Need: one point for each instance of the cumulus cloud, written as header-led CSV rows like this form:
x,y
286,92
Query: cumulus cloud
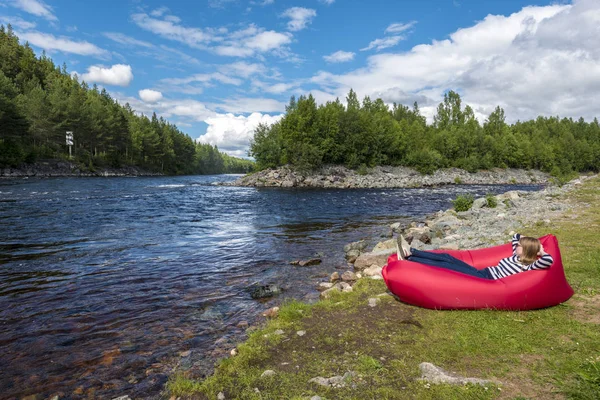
x,y
339,57
150,96
186,108
118,75
398,28
384,43
232,134
299,17
268,40
50,43
167,108
35,7
538,61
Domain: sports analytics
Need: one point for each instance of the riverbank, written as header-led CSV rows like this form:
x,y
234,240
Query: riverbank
x,y
362,343
62,168
387,177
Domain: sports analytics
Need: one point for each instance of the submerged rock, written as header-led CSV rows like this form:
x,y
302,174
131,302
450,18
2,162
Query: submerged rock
x,y
260,292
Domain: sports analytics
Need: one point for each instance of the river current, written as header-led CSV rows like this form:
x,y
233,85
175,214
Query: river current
x,y
107,283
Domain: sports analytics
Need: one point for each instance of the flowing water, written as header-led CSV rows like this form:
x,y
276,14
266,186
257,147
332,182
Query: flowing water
x,y
107,283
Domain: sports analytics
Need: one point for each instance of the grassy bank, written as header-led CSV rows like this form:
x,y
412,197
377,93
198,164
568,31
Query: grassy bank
x,y
548,354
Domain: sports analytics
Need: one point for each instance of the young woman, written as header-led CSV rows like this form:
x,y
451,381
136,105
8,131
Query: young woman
x,y
526,251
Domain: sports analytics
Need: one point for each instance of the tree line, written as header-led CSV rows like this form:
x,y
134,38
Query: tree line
x,y
40,102
362,135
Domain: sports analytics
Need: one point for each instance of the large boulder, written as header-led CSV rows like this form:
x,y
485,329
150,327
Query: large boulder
x,y
360,246
479,203
385,245
352,255
379,258
422,234
447,223
373,270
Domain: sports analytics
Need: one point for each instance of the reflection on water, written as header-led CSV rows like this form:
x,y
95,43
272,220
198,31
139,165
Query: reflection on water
x,y
105,284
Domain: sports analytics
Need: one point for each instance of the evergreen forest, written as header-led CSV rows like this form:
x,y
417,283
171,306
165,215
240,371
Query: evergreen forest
x,y
40,102
361,135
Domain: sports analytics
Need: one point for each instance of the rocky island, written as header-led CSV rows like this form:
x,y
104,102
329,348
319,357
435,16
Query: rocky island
x,y
386,177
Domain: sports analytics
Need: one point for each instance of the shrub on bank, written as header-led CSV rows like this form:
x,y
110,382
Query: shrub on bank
x,y
463,202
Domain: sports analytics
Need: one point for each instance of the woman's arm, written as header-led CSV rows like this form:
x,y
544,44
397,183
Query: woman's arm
x,y
515,241
544,262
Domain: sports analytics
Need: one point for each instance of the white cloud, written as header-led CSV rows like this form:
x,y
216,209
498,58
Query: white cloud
x,y
538,61
384,43
118,75
126,40
16,22
246,42
159,12
339,57
184,56
203,78
276,88
328,2
397,28
243,69
246,105
150,96
186,108
232,134
50,42
36,7
219,3
268,40
300,17
193,37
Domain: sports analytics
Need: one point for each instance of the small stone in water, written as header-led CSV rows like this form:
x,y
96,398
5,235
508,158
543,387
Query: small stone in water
x,y
185,353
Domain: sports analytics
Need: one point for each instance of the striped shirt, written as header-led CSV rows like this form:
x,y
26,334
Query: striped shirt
x,y
512,265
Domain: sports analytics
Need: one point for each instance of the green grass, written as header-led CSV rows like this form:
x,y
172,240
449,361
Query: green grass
x,y
549,353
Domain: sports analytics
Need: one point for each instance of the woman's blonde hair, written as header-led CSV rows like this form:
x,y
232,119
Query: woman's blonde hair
x,y
531,247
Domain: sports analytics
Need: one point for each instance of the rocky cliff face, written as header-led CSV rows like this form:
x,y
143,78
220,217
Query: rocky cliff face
x,y
385,177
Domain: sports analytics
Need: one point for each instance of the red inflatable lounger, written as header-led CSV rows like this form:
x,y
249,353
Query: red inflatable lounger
x,y
439,288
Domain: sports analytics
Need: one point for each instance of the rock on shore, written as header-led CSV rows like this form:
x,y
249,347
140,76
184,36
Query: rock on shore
x,y
55,168
385,177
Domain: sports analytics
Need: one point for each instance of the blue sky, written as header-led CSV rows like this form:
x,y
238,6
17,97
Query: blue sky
x,y
217,68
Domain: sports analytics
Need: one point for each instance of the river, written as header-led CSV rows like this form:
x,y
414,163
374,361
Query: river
x,y
107,283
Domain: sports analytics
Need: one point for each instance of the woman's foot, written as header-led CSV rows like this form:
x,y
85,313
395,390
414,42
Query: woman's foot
x,y
399,251
402,248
